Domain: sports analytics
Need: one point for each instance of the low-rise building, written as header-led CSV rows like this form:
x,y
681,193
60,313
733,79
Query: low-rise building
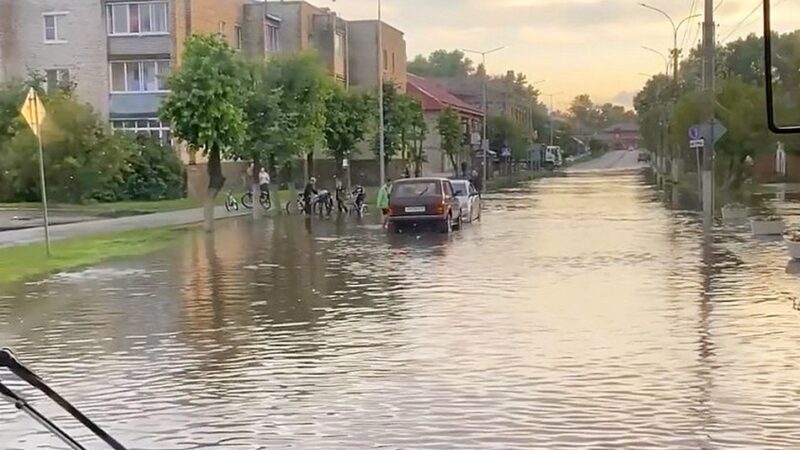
x,y
434,98
304,26
364,54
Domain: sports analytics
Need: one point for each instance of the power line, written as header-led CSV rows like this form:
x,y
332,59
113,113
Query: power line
x,y
688,25
741,22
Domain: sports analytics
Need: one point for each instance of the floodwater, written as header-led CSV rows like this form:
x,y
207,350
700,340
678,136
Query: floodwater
x,y
582,313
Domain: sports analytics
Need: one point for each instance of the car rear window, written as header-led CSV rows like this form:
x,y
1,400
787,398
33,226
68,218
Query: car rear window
x,y
460,186
417,189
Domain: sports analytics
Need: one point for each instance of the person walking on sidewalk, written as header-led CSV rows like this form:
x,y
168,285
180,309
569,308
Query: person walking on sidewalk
x,y
383,200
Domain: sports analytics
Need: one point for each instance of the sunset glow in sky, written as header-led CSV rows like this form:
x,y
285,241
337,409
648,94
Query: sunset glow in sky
x,y
578,46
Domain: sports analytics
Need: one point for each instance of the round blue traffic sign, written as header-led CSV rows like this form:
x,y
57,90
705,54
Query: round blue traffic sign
x,y
695,133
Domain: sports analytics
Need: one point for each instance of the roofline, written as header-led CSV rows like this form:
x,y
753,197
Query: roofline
x,y
366,21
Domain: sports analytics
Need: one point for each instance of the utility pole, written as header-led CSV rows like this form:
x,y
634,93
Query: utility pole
x,y
709,78
381,119
485,89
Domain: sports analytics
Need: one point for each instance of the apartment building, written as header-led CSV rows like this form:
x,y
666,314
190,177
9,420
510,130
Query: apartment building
x,y
363,60
145,40
62,40
116,53
304,26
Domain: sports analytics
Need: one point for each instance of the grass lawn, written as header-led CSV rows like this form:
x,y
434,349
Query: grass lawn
x,y
29,261
118,209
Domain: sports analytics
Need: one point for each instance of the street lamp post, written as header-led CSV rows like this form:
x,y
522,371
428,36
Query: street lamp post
x,y
382,125
485,141
675,28
552,117
661,54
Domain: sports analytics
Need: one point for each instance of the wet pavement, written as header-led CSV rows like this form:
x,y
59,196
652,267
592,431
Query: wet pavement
x,y
581,313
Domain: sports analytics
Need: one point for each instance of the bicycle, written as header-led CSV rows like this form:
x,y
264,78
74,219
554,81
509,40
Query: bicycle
x,y
296,206
265,200
359,202
231,204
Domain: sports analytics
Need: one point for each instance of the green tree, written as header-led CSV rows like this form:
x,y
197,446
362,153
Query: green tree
x,y
442,63
205,106
449,127
419,131
504,131
303,87
348,120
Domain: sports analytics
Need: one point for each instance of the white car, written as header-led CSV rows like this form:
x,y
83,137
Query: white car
x,y
469,200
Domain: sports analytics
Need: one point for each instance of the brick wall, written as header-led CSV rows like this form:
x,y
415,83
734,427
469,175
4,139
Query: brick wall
x,y
363,43
212,16
84,53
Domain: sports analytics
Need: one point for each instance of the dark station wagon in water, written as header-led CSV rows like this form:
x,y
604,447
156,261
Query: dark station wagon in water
x,y
416,202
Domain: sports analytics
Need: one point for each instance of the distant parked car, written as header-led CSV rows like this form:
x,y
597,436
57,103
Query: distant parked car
x,y
416,202
644,157
468,199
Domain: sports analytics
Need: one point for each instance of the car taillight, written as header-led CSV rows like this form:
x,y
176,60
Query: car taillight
x,y
439,208
395,211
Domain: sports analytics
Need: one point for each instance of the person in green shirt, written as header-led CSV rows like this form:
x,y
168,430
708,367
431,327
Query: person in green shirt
x,y
383,200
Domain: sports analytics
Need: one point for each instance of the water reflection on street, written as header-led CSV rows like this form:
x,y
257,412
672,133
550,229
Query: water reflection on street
x,y
582,313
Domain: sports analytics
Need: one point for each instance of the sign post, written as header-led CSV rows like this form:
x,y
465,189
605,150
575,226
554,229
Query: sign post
x,y
34,113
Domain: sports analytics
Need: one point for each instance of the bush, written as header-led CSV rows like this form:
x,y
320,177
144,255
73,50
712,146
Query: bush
x,y
84,161
153,172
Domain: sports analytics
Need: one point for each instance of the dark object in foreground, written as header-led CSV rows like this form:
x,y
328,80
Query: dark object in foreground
x,y
9,361
419,201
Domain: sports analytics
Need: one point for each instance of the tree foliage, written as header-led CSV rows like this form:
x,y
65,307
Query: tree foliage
x,y
449,127
442,63
84,161
349,117
402,114
504,131
302,87
204,107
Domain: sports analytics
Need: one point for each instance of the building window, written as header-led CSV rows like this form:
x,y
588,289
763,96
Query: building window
x,y
394,65
271,40
139,76
56,79
137,18
222,26
339,45
146,127
238,31
385,60
52,27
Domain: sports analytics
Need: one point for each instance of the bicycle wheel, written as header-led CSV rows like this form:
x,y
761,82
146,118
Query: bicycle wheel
x,y
247,200
266,201
231,204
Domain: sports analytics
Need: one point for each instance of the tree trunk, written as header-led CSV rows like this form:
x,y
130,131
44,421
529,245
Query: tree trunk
x,y
310,164
256,188
274,186
216,181
339,170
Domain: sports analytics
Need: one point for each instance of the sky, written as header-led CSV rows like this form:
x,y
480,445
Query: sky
x,y
576,46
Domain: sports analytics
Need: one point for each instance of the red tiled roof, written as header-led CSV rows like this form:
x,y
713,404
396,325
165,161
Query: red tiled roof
x,y
434,97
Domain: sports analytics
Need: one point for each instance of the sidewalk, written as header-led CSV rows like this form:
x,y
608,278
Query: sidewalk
x,y
73,230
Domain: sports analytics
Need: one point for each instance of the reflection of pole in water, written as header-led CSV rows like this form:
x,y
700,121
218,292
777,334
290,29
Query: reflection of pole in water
x,y
705,344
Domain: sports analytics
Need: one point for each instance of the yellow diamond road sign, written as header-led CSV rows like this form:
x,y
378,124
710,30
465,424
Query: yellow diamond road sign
x,y
33,111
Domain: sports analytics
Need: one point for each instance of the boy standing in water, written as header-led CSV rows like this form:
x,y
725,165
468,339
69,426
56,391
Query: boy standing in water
x,y
383,200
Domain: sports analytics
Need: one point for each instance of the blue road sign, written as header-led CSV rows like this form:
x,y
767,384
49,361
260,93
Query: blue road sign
x,y
695,132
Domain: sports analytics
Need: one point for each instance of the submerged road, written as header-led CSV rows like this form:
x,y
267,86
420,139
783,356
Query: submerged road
x,y
580,313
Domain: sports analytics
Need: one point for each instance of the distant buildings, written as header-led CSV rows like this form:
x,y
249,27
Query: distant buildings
x,y
434,98
118,53
624,136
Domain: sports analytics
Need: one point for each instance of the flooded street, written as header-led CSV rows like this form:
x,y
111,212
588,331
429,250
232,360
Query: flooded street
x,y
581,313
